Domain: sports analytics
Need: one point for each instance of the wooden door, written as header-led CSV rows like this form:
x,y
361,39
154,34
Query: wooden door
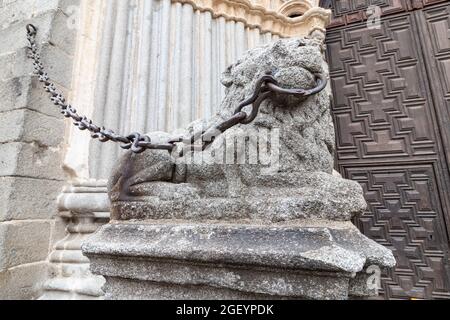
x,y
391,109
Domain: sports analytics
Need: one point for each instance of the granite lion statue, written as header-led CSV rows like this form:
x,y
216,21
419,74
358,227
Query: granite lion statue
x,y
298,182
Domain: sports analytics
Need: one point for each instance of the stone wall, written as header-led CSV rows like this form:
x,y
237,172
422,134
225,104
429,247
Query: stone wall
x,y
31,143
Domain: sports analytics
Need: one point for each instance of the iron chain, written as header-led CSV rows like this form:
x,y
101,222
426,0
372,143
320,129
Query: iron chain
x,y
137,142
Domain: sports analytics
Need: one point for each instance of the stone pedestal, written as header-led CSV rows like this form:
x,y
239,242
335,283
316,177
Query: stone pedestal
x,y
190,226
167,260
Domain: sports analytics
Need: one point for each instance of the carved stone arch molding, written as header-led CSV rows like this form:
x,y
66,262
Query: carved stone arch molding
x,y
283,18
295,8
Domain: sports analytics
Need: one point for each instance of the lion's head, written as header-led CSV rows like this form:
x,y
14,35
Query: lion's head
x,y
307,140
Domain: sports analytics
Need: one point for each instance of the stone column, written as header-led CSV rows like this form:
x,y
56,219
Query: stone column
x,y
196,227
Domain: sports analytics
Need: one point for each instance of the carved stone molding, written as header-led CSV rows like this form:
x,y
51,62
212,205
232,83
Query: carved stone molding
x,y
85,207
307,17
294,8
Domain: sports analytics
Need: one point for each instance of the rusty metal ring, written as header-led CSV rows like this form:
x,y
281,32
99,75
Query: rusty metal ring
x,y
259,87
321,83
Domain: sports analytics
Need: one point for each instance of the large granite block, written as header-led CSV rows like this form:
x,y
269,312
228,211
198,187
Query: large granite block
x,y
173,260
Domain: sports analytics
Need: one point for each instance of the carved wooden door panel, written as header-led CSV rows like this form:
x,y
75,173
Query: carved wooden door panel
x,y
391,108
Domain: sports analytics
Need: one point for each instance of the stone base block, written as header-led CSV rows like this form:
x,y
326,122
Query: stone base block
x,y
176,260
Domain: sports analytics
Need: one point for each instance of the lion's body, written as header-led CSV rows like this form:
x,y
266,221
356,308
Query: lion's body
x,y
300,182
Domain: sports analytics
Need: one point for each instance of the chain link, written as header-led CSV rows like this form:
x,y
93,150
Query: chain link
x,y
138,143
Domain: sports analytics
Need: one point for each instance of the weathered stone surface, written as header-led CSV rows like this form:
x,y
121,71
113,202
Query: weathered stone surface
x,y
66,21
59,230
192,227
70,277
85,208
365,284
30,160
31,131
23,282
321,260
23,242
245,244
13,35
301,186
30,126
25,198
17,11
84,287
25,93
56,47
128,289
58,64
86,200
326,197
